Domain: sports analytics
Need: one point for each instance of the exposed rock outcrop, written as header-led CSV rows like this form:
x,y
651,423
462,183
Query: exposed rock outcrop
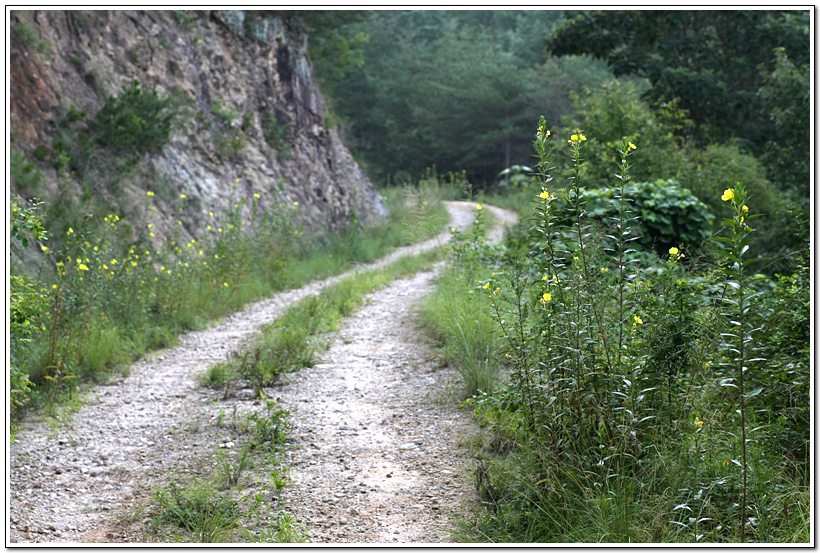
x,y
254,120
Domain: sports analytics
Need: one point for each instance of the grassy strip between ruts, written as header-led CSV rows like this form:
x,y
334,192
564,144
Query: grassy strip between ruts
x,y
214,508
289,343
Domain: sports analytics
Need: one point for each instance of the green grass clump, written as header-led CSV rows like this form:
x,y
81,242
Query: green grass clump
x,y
207,517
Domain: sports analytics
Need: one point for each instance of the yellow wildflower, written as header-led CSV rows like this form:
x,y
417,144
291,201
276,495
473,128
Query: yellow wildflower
x,y
582,137
545,277
225,284
210,214
82,267
296,204
70,230
574,137
632,146
113,261
257,196
44,248
479,207
487,286
236,180
151,235
544,194
745,209
637,320
673,251
150,193
182,196
546,298
698,422
728,194
210,227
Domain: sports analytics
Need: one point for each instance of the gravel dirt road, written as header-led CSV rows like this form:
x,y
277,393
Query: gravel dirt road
x,y
374,443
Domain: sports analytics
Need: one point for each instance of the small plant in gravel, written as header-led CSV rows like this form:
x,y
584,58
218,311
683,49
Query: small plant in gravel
x,y
230,470
207,517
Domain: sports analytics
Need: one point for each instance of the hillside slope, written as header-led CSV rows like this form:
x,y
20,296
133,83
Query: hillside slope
x,y
248,117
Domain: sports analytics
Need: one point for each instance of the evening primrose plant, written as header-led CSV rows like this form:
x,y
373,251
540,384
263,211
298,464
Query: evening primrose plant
x,y
627,378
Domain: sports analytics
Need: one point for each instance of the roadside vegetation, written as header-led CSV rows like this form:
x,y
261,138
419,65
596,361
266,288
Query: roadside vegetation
x,y
97,301
638,382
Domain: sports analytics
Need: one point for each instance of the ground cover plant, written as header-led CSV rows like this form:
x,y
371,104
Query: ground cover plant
x,y
235,498
642,395
97,301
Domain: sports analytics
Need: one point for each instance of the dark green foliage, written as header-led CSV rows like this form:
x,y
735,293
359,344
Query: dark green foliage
x,y
785,96
454,89
25,178
670,215
708,59
135,122
737,74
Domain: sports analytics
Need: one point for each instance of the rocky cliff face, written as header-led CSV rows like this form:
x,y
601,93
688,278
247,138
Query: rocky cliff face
x,y
252,116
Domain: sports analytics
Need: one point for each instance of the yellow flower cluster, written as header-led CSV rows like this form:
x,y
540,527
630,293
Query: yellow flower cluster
x,y
728,195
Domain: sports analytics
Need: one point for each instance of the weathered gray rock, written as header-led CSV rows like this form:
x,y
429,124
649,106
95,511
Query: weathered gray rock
x,y
254,67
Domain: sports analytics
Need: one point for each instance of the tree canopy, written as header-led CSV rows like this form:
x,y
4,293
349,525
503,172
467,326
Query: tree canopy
x,y
728,69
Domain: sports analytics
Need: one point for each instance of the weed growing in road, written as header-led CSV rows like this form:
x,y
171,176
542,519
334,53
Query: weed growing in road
x,y
206,516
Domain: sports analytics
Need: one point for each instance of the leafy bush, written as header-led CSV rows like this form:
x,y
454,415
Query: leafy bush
x,y
27,302
719,166
135,122
669,215
615,110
